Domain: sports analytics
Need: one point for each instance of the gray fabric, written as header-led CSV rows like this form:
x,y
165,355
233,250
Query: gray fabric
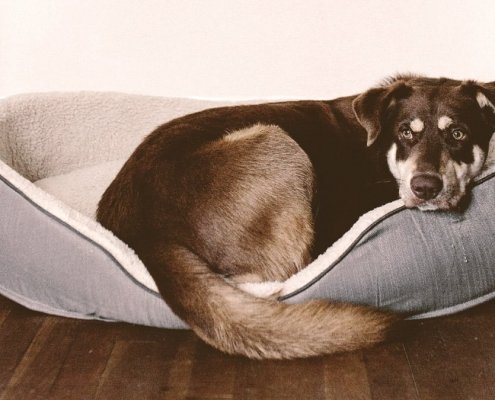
x,y
427,263
47,266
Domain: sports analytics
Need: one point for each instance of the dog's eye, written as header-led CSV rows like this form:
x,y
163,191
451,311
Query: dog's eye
x,y
457,134
406,133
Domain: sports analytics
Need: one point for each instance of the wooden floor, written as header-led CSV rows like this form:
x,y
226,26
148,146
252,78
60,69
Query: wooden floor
x,y
46,357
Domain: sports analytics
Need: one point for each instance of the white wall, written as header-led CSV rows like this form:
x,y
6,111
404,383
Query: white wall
x,y
239,48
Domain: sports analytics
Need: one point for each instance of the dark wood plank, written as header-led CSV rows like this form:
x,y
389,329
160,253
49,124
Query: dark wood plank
x,y
454,357
5,308
485,336
85,362
16,334
130,332
389,373
212,374
346,377
138,369
277,380
56,358
6,304
38,369
179,376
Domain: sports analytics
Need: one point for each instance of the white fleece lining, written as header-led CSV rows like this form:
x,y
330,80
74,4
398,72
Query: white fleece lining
x,y
126,257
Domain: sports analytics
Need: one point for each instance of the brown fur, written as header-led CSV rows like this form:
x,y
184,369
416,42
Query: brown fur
x,y
244,201
255,193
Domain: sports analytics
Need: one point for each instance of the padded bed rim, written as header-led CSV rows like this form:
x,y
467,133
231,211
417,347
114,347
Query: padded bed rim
x,y
291,294
357,240
80,234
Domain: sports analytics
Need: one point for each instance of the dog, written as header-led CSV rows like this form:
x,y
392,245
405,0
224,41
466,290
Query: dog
x,y
255,192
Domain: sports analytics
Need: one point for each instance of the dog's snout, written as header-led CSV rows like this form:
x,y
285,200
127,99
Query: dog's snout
x,y
425,186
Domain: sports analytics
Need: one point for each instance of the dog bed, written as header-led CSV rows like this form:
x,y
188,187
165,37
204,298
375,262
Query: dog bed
x,y
59,151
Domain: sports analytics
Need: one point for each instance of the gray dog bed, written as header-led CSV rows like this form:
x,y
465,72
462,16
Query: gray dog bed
x,y
58,152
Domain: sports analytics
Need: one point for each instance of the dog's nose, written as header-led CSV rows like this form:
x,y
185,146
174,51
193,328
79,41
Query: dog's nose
x,y
426,186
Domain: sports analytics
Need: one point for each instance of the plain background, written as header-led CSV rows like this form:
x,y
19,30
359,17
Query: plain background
x,y
239,48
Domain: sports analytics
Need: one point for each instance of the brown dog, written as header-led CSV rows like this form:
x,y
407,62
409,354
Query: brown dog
x,y
254,193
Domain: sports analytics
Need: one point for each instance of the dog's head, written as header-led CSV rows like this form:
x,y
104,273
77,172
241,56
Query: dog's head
x,y
436,133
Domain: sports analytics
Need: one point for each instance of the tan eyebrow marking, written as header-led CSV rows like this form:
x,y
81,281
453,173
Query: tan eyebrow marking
x,y
417,125
444,122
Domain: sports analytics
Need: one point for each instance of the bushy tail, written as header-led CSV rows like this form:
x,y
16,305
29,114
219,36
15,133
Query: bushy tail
x,y
238,323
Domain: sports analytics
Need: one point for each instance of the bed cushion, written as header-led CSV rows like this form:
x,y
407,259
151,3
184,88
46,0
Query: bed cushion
x,y
55,258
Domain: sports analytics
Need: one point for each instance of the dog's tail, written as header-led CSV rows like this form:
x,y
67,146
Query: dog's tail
x,y
238,323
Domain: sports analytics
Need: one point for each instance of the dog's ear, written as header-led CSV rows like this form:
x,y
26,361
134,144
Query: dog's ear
x,y
370,107
484,94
